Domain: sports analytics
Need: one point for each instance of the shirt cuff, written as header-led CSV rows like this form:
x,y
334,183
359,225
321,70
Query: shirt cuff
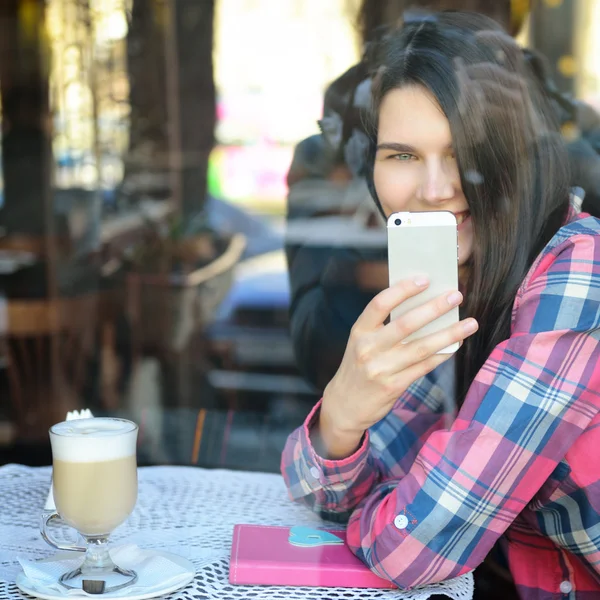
x,y
330,472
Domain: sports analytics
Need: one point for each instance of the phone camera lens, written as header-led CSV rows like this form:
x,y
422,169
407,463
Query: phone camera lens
x,y
398,222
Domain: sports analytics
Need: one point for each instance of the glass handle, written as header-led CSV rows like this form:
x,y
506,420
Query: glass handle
x,y
44,521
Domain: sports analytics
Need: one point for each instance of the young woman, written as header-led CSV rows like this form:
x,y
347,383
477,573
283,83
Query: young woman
x,y
460,125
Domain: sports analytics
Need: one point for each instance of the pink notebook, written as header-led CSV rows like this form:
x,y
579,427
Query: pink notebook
x,y
301,556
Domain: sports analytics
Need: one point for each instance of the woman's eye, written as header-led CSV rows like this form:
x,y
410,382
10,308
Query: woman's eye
x,y
403,156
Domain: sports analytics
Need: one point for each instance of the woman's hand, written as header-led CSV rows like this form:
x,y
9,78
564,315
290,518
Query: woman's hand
x,y
378,367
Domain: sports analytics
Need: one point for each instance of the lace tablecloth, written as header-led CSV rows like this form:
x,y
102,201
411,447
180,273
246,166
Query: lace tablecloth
x,y
186,511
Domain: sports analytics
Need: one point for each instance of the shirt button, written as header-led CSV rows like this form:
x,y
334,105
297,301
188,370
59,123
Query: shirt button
x,y
401,522
566,587
315,472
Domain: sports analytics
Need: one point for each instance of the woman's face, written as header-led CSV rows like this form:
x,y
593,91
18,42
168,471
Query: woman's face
x,y
415,168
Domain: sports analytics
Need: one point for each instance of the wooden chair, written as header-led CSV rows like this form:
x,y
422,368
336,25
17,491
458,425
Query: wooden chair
x,y
48,345
165,311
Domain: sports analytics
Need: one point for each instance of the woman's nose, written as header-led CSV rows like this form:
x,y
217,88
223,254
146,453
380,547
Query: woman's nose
x,y
437,184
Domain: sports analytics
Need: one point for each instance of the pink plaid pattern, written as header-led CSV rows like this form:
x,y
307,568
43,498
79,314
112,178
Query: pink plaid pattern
x,y
518,466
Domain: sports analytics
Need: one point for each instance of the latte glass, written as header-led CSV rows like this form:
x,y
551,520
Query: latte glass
x,y
94,478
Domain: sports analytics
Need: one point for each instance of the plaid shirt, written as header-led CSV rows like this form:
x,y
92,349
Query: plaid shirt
x,y
519,464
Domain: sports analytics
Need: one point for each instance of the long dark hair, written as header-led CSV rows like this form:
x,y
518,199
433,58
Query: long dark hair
x,y
510,155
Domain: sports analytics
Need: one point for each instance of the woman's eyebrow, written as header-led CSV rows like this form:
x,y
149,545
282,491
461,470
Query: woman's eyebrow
x,y
396,147
403,147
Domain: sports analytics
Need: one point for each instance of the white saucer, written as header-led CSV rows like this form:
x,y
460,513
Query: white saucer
x,y
32,590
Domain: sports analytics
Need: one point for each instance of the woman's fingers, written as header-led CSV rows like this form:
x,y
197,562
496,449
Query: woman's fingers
x,y
427,346
379,309
402,380
419,354
399,329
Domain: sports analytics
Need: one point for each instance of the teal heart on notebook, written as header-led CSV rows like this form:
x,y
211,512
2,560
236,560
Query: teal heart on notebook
x,y
307,537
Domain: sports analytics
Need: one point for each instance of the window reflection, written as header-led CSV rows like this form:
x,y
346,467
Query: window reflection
x,y
151,153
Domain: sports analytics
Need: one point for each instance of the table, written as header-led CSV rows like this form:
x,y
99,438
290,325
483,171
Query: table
x,y
187,511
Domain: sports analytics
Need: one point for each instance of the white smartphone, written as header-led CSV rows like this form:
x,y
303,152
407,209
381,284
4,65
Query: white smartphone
x,y
425,243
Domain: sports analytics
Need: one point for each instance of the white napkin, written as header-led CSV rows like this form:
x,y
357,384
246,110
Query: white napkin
x,y
155,572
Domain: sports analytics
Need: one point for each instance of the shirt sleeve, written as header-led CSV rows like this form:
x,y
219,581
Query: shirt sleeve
x,y
333,488
532,399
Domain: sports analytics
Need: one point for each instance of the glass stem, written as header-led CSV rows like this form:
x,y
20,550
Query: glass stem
x,y
97,559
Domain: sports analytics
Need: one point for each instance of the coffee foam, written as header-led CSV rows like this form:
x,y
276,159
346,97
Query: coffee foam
x,y
93,440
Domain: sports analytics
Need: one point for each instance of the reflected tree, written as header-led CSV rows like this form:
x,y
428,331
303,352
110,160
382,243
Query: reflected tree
x,y
172,97
146,163
26,119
